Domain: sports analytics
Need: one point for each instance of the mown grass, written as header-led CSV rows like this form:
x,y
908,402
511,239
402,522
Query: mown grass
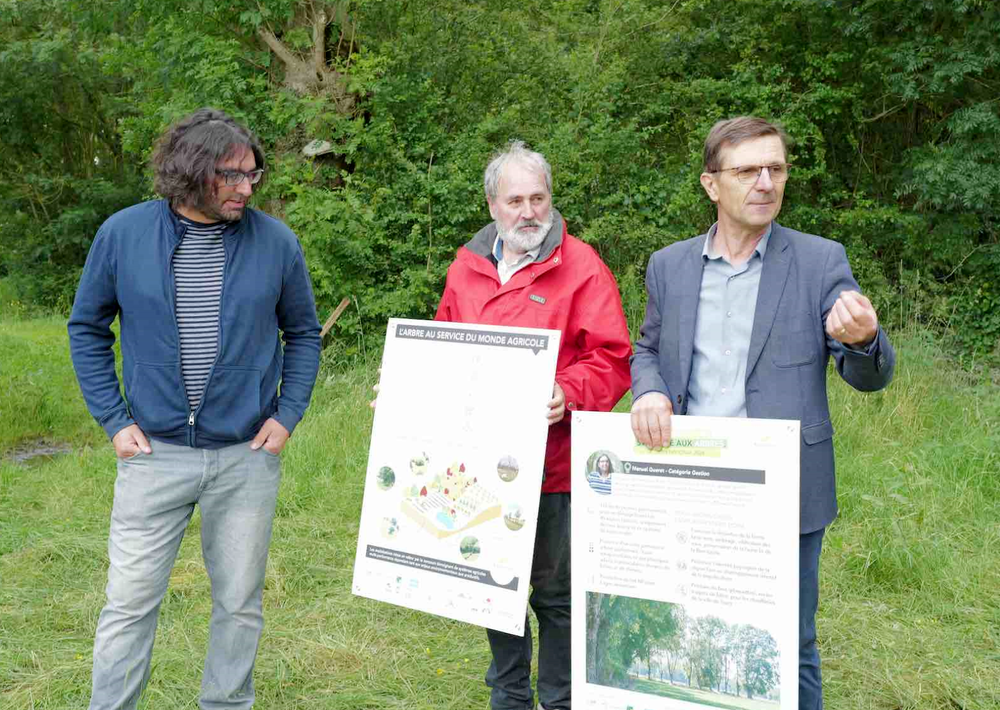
x,y
910,577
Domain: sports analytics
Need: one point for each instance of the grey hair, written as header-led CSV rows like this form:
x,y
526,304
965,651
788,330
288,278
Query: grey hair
x,y
515,152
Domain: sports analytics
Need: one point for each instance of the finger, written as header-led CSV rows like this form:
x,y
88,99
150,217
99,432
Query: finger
x,y
857,297
843,320
634,420
640,429
655,431
856,305
665,427
276,439
833,324
141,441
261,437
845,313
127,447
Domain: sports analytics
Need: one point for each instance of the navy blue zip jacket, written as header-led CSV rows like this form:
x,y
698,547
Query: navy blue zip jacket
x,y
265,287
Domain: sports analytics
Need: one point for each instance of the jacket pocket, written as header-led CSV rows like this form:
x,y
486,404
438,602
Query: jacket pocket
x,y
795,348
156,398
231,406
815,433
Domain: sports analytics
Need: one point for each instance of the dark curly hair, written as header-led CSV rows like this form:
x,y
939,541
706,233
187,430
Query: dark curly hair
x,y
185,156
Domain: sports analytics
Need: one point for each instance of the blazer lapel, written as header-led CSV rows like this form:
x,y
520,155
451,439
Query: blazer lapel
x,y
689,286
773,277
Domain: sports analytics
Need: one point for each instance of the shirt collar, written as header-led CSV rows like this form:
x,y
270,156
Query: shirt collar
x,y
708,253
498,250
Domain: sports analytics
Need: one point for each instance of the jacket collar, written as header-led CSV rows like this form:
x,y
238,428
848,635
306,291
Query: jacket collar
x,y
482,243
177,227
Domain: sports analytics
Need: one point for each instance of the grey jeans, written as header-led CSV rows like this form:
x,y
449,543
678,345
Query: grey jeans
x,y
155,496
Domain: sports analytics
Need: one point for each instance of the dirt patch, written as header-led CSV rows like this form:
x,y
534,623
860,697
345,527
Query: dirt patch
x,y
26,452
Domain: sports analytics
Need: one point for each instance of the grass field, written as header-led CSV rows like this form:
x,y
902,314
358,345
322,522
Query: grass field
x,y
910,600
701,697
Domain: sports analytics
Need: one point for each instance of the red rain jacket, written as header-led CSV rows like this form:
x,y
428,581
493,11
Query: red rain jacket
x,y
568,288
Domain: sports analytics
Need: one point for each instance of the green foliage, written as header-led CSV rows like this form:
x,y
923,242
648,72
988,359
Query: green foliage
x,y
891,107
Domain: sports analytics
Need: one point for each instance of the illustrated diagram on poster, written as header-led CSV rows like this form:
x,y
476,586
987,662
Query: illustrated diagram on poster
x,y
685,565
455,470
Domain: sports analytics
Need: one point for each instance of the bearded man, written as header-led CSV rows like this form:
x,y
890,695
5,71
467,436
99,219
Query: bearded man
x,y
524,269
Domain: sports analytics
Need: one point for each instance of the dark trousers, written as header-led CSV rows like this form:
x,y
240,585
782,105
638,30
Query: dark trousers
x,y
810,685
509,675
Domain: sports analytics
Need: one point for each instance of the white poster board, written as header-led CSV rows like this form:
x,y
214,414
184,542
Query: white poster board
x,y
455,470
685,565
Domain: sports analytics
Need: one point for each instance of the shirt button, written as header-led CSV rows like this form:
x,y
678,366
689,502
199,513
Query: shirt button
x,y
723,390
729,314
728,352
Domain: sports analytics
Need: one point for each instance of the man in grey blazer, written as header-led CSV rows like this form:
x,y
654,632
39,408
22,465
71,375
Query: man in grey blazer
x,y
742,321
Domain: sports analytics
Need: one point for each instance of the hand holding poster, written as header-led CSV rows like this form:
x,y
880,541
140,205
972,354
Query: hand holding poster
x,y
454,470
685,565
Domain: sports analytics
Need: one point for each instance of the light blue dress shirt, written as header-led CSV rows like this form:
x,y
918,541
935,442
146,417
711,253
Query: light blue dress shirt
x,y
726,306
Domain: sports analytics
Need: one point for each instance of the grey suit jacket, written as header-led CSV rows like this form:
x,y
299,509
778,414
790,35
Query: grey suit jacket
x,y
802,277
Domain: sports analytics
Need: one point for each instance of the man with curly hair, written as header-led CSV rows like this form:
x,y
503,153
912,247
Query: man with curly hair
x,y
201,285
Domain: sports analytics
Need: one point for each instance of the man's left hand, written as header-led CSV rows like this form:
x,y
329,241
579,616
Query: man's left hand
x,y
852,320
557,405
272,436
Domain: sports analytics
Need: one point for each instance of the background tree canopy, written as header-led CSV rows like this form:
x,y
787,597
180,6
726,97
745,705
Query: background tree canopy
x,y
893,107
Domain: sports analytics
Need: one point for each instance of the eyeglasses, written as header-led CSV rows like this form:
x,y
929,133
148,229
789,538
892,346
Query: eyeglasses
x,y
749,174
235,177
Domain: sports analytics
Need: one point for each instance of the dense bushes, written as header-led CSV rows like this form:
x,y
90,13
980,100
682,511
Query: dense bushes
x,y
892,106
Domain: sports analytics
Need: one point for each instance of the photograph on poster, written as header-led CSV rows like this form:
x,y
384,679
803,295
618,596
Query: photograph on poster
x,y
600,467
664,649
680,583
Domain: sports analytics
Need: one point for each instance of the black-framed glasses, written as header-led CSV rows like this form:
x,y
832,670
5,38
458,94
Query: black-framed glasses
x,y
235,177
749,174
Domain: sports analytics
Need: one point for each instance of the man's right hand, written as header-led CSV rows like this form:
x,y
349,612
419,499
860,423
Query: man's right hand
x,y
130,441
651,420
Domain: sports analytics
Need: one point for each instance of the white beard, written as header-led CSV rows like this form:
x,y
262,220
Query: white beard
x,y
523,241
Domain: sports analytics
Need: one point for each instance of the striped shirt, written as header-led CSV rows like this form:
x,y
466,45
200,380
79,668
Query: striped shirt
x,y
199,262
600,485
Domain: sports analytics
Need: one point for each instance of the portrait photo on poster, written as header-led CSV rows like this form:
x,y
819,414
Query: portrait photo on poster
x,y
601,467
